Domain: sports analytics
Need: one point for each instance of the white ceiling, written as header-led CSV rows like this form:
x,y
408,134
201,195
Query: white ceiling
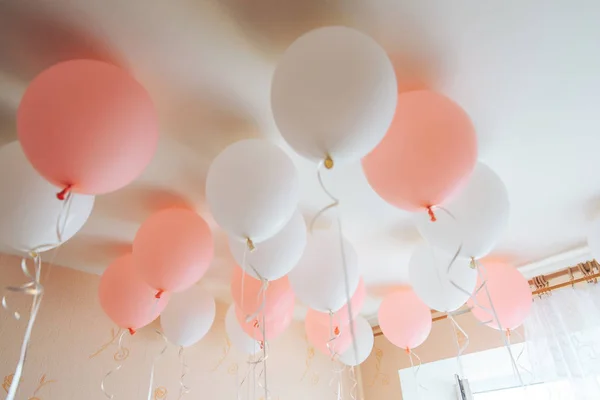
x,y
527,72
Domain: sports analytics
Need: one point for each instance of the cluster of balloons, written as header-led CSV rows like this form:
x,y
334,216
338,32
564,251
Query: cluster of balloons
x,y
172,251
87,128
427,164
253,191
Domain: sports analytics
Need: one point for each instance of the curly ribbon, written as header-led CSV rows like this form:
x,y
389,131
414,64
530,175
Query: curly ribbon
x,y
183,389
117,368
516,332
482,275
152,370
226,350
334,334
252,365
310,354
417,370
328,163
460,349
337,380
482,272
354,381
34,288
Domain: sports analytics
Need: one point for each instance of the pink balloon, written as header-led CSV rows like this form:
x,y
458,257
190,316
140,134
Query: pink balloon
x,y
510,294
341,317
404,319
330,339
429,151
87,126
276,324
125,298
173,249
278,294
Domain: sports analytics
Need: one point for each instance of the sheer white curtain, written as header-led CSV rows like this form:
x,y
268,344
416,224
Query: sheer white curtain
x,y
563,340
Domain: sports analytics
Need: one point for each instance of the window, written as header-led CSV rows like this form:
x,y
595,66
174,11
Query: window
x,y
490,376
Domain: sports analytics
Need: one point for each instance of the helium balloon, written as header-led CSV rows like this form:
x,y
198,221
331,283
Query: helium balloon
x,y
276,256
428,152
239,339
476,217
252,296
173,249
252,189
342,316
276,324
439,288
330,339
29,209
319,280
510,294
333,95
364,340
404,319
87,126
188,317
127,299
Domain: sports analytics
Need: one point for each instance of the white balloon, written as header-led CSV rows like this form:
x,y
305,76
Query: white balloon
x,y
319,280
276,256
364,339
479,216
431,281
252,189
334,93
29,209
238,338
188,317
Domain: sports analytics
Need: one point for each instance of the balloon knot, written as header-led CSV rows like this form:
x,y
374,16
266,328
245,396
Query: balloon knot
x,y
407,350
159,293
256,324
336,331
262,345
131,331
63,193
431,214
508,333
250,244
328,162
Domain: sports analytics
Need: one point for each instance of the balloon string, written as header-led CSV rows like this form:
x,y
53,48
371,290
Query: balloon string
x,y
460,349
183,389
415,370
242,290
334,333
117,368
354,381
264,338
261,293
152,370
33,288
337,380
516,332
335,203
481,270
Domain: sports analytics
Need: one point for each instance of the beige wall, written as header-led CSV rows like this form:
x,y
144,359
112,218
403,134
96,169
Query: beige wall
x,y
73,347
380,372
